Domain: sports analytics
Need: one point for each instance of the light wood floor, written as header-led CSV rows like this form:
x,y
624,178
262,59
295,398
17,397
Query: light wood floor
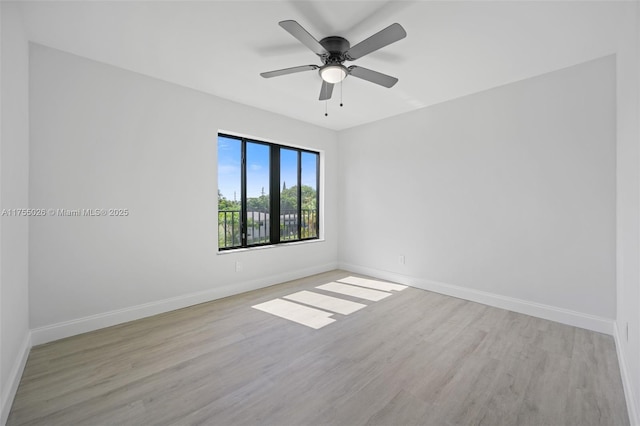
x,y
413,358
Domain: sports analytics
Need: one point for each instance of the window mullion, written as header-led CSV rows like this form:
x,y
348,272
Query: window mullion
x,y
243,196
274,199
299,195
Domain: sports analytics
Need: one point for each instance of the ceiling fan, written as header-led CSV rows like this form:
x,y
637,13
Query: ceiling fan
x,y
334,51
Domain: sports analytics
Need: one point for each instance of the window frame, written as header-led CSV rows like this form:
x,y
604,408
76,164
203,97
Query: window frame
x,y
274,209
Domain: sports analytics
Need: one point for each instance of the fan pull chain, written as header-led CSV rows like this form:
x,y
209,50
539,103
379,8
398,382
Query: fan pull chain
x,y
326,101
341,92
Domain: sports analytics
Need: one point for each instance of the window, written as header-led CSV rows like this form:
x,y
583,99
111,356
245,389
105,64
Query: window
x,y
267,193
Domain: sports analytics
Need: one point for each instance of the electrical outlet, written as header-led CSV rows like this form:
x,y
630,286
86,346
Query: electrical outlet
x,y
401,259
238,266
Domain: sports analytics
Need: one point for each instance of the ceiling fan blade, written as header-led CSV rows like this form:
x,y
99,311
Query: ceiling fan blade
x,y
372,76
325,91
391,34
286,71
304,37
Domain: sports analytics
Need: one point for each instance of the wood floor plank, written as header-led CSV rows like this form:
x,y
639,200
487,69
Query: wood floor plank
x,y
414,357
403,409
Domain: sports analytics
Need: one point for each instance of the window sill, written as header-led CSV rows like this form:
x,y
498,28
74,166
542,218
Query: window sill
x,y
272,246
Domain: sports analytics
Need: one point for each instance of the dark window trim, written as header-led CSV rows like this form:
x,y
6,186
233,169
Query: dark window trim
x,y
274,194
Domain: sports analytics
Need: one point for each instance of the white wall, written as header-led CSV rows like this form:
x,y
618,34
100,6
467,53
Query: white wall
x,y
14,162
505,196
628,210
632,306
102,137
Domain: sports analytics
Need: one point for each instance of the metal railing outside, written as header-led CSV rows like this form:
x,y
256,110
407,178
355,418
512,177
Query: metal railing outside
x,y
258,227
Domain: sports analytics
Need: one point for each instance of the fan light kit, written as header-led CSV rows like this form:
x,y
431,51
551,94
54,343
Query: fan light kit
x,y
334,51
333,73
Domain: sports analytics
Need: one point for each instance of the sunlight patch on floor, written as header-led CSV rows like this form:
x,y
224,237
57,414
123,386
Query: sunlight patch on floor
x,y
304,315
333,304
304,312
359,292
374,284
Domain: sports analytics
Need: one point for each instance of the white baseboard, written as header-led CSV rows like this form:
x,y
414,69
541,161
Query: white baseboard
x,y
64,329
629,393
552,313
14,378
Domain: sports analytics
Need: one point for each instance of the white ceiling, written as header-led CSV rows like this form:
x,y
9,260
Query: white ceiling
x,y
220,47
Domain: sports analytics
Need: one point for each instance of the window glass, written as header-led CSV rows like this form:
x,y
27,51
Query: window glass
x,y
229,191
309,194
257,170
288,194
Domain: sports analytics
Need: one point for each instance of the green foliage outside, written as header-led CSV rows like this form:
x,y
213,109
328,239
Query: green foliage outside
x,y
258,204
224,204
289,198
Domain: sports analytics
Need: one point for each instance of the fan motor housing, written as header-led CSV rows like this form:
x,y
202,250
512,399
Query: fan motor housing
x,y
336,46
